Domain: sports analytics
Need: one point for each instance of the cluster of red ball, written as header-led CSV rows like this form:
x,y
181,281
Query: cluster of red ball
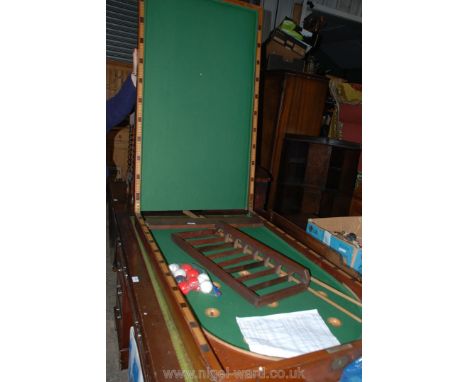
x,y
188,278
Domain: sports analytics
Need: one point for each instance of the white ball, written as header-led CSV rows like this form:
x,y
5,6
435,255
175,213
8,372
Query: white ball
x,y
206,287
173,267
179,272
203,277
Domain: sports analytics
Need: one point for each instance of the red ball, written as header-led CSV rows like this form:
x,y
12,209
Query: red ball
x,y
192,273
184,287
186,267
193,283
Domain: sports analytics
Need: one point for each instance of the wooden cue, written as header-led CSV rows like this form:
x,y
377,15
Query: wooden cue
x,y
335,305
351,291
316,293
335,291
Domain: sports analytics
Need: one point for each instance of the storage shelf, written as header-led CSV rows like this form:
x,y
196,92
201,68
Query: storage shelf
x,y
325,187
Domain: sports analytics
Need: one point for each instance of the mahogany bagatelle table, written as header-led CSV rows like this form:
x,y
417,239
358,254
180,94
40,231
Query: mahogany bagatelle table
x,y
197,105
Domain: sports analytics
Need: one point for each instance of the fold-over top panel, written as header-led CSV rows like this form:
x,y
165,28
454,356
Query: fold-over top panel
x,y
198,90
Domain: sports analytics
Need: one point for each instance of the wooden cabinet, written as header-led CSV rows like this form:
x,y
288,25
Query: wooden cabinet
x,y
292,103
317,177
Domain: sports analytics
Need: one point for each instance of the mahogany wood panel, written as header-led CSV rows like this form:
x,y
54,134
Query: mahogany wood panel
x,y
292,104
156,351
317,166
319,366
324,366
303,104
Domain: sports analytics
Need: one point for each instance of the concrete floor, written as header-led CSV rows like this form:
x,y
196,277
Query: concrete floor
x,y
113,372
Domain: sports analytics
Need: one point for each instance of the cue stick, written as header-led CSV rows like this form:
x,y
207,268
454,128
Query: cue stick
x,y
335,291
352,292
317,294
335,305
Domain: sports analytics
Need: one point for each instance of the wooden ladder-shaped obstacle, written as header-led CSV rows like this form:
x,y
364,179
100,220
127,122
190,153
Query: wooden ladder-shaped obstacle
x,y
210,246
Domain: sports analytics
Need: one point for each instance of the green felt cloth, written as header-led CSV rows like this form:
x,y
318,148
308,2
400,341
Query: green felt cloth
x,y
198,90
231,304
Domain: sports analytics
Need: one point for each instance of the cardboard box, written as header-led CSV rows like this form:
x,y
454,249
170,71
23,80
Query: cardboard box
x,y
329,231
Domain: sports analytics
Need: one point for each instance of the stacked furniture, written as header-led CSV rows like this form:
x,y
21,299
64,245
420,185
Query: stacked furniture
x,y
292,104
316,178
347,125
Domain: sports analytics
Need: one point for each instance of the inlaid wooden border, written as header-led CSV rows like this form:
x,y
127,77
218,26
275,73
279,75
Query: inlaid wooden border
x,y
253,150
139,109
